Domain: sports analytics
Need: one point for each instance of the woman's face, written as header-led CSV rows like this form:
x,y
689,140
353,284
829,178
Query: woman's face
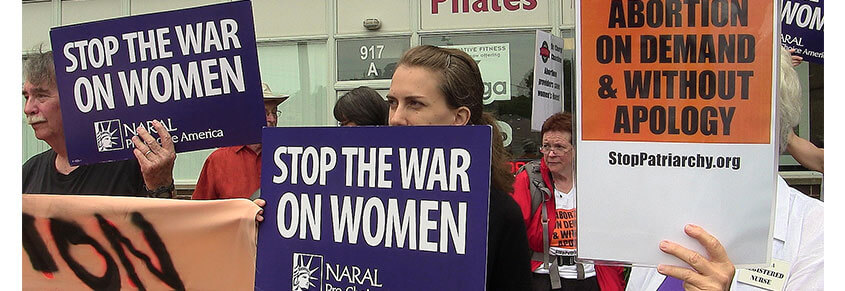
x,y
558,151
415,99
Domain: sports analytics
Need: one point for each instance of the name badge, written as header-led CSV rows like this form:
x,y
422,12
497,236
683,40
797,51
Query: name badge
x,y
770,278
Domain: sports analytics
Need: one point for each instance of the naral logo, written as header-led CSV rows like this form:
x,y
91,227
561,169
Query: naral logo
x,y
544,52
108,135
304,267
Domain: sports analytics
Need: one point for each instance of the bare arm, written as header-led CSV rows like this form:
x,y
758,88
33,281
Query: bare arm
x,y
806,153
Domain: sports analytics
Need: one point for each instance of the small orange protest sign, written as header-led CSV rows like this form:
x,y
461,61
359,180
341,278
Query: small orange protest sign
x,y
563,234
676,71
110,243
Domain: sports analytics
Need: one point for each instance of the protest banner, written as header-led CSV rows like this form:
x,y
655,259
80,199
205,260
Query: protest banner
x,y
548,78
195,70
494,62
802,28
675,125
405,208
73,242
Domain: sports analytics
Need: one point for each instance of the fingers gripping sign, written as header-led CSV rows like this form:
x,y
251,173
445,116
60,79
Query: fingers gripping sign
x,y
796,60
259,217
156,159
714,272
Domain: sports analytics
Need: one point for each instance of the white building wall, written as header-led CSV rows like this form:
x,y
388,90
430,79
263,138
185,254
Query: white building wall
x,y
150,6
90,10
290,18
37,19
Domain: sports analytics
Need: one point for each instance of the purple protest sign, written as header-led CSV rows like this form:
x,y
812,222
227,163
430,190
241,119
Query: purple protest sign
x,y
802,28
195,70
374,208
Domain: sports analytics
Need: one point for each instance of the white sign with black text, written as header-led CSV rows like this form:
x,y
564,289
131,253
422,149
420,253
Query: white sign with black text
x,y
548,78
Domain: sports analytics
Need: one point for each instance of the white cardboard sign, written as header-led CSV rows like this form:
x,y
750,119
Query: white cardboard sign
x,y
548,78
662,143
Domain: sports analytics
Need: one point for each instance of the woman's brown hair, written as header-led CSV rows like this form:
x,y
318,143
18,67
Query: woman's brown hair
x,y
460,82
561,121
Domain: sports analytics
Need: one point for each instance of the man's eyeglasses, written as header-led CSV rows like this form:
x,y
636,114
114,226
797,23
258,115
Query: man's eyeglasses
x,y
274,112
557,148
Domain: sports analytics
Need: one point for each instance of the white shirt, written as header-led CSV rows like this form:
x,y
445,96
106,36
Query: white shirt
x,y
798,240
566,201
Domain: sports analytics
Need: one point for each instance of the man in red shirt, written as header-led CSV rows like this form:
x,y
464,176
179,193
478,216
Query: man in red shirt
x,y
235,171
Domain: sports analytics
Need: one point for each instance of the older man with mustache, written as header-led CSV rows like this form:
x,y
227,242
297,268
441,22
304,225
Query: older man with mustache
x,y
50,173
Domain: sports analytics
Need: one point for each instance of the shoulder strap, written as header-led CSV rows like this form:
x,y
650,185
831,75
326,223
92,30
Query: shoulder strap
x,y
537,188
540,194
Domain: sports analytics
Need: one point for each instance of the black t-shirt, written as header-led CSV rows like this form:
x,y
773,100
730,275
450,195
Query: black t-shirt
x,y
120,178
508,259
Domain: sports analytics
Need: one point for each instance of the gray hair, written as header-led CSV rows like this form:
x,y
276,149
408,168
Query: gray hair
x,y
39,69
789,103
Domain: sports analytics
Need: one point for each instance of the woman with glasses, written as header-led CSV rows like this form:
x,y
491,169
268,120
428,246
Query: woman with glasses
x,y
545,192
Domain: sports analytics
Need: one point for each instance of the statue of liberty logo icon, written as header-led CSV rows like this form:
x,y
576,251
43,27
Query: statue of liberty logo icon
x,y
304,268
108,135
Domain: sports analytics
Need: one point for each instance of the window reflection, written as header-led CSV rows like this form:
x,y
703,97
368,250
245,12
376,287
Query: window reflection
x,y
515,110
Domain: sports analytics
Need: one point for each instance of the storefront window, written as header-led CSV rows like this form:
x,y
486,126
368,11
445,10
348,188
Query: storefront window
x,y
811,126
508,93
299,69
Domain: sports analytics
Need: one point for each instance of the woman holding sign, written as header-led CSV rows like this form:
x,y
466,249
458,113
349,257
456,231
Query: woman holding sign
x,y
555,241
438,86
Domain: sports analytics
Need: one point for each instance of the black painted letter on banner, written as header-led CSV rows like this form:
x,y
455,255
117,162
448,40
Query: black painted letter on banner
x,y
167,274
35,248
66,233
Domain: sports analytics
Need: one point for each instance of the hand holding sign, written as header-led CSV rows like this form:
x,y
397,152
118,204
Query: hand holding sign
x,y
697,84
156,159
796,60
714,272
259,216
120,73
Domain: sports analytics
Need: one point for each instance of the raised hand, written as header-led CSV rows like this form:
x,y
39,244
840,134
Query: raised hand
x,y
156,159
714,272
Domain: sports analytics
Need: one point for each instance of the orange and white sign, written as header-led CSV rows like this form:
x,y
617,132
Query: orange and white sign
x,y
75,242
675,115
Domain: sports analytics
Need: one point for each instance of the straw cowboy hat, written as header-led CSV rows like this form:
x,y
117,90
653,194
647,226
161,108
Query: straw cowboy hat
x,y
269,96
